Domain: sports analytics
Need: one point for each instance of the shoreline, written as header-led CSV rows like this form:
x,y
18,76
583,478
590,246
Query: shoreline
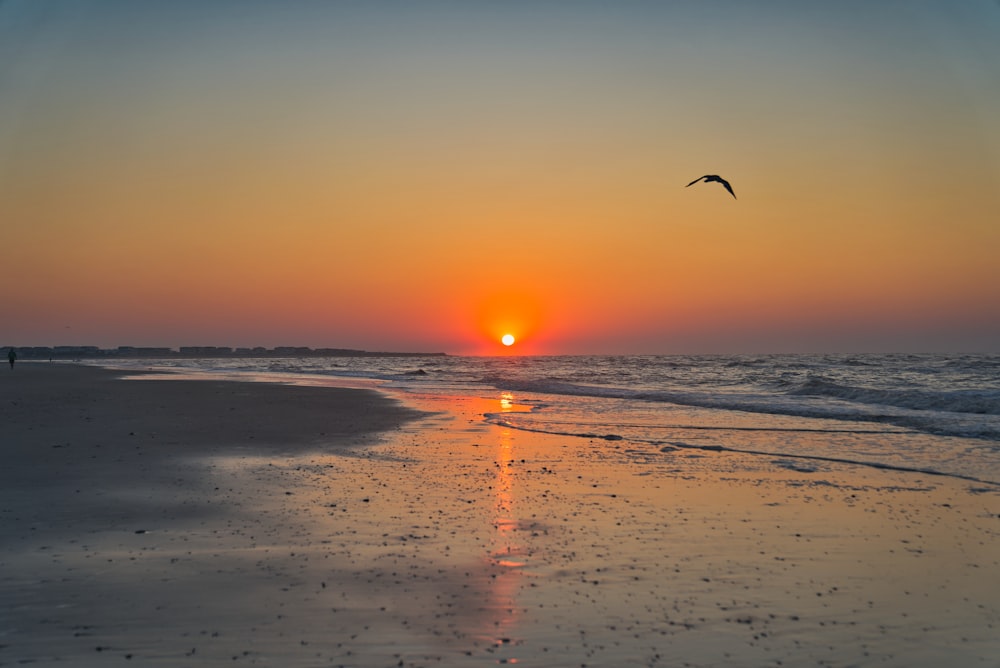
x,y
139,524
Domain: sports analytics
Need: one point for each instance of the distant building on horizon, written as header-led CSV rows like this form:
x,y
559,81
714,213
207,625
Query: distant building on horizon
x,y
205,351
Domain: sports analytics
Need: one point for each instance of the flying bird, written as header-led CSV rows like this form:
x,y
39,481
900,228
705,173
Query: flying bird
x,y
716,178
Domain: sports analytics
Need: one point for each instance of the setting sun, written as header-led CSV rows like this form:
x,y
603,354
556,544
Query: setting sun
x,y
507,339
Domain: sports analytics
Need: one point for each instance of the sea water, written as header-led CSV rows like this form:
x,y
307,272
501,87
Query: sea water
x,y
936,414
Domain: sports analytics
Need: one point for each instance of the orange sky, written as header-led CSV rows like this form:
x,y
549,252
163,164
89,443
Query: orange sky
x,y
428,176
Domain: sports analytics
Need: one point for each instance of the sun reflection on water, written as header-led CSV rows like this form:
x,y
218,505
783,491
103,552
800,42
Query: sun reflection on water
x,y
507,554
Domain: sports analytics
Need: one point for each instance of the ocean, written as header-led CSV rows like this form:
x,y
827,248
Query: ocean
x,y
934,414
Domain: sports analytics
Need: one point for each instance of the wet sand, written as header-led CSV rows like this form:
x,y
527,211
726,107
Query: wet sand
x,y
188,523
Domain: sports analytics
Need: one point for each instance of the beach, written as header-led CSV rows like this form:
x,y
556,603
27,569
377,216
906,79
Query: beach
x,y
203,522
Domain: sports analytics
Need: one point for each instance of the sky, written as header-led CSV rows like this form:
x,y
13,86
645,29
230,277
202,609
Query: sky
x,y
429,175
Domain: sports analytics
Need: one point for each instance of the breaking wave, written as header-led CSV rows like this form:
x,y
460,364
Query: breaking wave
x,y
961,413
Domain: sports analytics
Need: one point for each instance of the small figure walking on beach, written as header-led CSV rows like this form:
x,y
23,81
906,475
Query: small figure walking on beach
x,y
11,356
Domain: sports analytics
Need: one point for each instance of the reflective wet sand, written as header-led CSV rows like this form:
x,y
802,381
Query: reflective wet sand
x,y
443,540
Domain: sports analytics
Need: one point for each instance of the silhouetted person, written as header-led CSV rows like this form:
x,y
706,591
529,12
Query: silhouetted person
x,y
11,356
717,179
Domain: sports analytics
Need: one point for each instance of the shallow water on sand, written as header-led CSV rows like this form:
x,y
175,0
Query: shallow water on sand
x,y
460,542
929,413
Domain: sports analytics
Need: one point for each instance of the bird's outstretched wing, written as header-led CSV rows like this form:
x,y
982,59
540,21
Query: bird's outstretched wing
x,y
725,184
694,182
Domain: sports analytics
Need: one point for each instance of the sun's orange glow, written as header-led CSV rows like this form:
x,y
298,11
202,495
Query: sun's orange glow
x,y
517,313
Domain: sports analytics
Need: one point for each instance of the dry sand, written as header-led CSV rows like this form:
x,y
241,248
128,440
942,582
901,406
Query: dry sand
x,y
193,523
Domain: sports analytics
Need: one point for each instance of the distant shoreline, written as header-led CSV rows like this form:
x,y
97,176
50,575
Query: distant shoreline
x,y
194,352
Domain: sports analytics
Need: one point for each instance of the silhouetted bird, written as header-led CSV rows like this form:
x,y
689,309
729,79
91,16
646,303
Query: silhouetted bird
x,y
716,178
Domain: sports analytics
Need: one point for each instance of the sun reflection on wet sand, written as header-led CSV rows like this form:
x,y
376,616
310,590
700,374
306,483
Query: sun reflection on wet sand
x,y
506,554
505,548
460,542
